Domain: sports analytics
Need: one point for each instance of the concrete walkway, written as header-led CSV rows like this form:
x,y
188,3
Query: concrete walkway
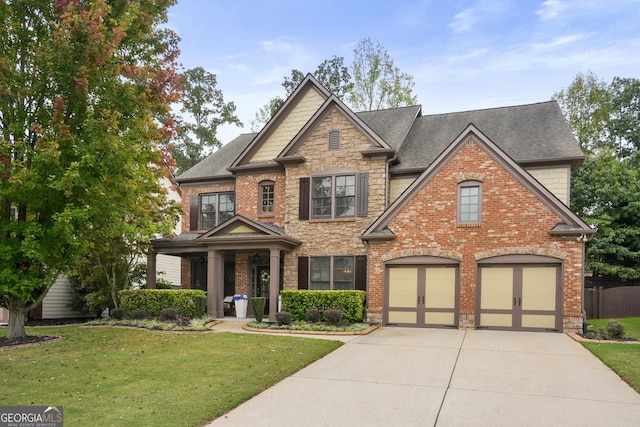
x,y
438,377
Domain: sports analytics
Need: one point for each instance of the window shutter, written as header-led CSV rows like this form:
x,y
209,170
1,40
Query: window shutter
x,y
361,273
303,272
362,194
334,140
303,207
193,213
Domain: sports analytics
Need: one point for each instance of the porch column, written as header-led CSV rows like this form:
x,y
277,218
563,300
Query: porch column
x,y
151,269
215,283
274,283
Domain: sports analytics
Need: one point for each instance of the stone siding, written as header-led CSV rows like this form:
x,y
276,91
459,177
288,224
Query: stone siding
x,y
331,236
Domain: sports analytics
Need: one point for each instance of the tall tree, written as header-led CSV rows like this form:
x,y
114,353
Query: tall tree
x,y
205,110
81,83
333,75
586,103
265,113
625,104
378,83
606,192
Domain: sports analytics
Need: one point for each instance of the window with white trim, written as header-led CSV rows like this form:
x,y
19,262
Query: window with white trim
x,y
267,197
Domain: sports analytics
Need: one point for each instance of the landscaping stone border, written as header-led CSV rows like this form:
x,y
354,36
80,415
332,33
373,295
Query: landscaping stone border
x,y
580,338
299,332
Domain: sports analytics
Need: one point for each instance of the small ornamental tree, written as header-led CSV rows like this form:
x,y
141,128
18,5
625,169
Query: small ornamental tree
x,y
81,86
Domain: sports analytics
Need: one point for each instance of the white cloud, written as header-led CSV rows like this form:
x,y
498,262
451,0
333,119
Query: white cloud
x,y
473,16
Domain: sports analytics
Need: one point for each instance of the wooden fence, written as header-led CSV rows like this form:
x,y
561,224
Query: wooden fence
x,y
623,301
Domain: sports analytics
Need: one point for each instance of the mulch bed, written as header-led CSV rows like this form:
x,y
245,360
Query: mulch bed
x,y
30,340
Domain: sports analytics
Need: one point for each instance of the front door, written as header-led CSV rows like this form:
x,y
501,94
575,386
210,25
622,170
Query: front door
x,y
260,285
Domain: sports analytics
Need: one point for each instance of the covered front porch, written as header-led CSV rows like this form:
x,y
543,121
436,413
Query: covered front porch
x,y
239,256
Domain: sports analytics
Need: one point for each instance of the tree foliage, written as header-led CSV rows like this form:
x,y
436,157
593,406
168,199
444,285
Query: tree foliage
x,y
605,191
204,109
81,83
378,83
586,103
265,113
372,82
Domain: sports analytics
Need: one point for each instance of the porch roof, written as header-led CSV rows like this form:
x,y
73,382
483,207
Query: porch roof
x,y
238,233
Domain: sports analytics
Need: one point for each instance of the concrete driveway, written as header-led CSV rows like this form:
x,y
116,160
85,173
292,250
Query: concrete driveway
x,y
438,377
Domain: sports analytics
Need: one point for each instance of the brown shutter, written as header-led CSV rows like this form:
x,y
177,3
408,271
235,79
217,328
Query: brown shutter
x,y
362,194
303,272
193,213
303,207
361,273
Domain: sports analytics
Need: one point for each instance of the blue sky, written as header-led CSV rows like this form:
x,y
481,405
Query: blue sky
x,y
463,55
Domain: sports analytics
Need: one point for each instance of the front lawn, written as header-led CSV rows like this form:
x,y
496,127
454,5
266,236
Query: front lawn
x,y
108,376
624,359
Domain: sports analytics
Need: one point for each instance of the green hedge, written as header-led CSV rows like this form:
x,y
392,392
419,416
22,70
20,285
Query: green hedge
x,y
189,303
350,302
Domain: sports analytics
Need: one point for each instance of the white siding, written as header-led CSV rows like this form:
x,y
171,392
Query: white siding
x,y
170,266
55,304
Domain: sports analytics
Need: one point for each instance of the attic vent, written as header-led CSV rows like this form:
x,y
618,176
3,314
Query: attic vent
x,y
334,140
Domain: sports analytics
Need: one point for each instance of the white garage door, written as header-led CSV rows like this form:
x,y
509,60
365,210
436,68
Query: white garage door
x,y
421,296
523,297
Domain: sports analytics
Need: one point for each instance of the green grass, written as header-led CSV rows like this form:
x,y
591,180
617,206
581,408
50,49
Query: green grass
x,y
624,359
106,376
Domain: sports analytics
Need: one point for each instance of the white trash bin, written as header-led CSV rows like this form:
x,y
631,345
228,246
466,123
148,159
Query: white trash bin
x,y
240,301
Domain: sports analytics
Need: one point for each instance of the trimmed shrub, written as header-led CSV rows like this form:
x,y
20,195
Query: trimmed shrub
x,y
139,314
168,314
283,318
614,330
258,304
333,316
313,315
116,313
188,302
350,302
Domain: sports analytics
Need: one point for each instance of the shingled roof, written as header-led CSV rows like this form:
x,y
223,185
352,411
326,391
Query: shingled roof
x,y
216,164
530,134
533,133
392,125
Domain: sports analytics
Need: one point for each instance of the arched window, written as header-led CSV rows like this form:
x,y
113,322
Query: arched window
x,y
266,204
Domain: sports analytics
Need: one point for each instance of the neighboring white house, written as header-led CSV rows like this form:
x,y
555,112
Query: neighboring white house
x,y
56,303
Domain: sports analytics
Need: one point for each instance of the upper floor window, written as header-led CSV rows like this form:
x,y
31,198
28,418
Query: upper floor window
x,y
267,197
343,195
470,202
210,210
333,196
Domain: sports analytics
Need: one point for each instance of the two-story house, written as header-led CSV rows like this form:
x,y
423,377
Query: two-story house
x,y
454,219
